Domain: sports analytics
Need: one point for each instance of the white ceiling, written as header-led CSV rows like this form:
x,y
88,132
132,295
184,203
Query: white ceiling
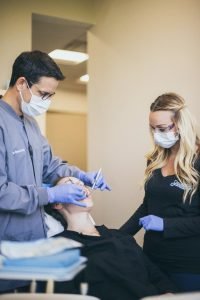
x,y
50,33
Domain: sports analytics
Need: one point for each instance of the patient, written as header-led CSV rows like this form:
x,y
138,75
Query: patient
x,y
117,269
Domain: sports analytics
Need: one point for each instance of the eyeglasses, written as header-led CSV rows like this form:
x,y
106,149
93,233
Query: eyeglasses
x,y
162,129
44,95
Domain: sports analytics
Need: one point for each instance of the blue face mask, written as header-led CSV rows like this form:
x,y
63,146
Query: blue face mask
x,y
36,106
165,139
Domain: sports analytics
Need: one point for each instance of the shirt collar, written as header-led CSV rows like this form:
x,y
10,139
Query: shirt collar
x,y
9,109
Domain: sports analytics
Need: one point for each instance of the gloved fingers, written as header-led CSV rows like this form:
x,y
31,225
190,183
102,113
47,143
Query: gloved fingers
x,y
144,222
152,222
147,226
79,193
101,184
140,222
89,178
104,186
108,188
80,196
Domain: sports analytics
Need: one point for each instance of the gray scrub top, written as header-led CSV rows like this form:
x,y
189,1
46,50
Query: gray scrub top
x,y
26,161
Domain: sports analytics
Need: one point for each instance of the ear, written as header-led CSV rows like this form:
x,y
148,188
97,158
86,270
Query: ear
x,y
58,206
21,83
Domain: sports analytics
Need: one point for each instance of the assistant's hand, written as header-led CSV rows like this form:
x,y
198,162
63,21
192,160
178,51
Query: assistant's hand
x,y
89,177
66,193
152,222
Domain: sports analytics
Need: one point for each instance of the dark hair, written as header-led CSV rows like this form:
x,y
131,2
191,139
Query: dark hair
x,y
34,64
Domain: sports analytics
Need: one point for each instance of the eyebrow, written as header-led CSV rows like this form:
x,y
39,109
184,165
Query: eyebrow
x,y
41,91
160,125
45,92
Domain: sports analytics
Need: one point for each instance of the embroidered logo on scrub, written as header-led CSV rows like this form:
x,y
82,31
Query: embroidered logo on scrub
x,y
177,184
18,151
180,185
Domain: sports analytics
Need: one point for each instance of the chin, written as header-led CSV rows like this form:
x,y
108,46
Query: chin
x,y
88,202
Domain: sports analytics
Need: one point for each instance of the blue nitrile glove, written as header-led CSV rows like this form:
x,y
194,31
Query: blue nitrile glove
x,y
89,177
66,193
152,222
45,185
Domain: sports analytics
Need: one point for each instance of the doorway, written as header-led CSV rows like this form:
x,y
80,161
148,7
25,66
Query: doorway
x,y
68,139
65,124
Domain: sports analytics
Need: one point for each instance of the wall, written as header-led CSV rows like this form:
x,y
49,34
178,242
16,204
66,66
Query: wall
x,y
16,36
66,126
69,101
16,30
138,50
66,133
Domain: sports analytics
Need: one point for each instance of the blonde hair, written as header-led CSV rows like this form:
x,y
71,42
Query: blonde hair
x,y
189,144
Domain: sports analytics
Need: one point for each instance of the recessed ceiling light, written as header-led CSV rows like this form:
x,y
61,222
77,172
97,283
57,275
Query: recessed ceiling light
x,y
68,57
84,78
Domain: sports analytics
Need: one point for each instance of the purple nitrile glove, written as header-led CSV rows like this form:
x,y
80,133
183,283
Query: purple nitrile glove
x,y
152,222
66,193
88,179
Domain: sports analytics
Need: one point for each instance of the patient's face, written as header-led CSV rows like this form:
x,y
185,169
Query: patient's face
x,y
88,200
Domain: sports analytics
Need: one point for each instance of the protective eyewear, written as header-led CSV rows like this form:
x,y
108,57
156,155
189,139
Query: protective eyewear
x,y
162,129
43,95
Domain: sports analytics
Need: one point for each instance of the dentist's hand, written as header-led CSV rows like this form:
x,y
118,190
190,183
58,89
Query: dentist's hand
x,y
152,222
89,177
66,193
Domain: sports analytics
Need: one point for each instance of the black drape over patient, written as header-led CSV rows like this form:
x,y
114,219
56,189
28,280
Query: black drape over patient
x,y
117,269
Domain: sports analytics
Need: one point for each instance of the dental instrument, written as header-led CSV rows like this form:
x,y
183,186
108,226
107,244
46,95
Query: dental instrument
x,y
96,179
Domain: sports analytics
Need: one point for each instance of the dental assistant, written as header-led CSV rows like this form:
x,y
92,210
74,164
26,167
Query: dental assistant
x,y
26,158
170,212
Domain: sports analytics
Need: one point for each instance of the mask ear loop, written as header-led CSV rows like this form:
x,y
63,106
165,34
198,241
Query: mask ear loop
x,y
29,88
21,96
21,89
20,92
176,132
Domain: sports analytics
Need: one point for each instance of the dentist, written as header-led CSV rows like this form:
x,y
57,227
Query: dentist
x,y
26,158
